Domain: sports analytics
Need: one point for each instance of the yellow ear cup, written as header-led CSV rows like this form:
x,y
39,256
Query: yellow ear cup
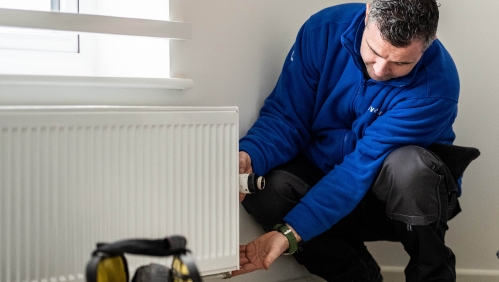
x,y
112,269
180,271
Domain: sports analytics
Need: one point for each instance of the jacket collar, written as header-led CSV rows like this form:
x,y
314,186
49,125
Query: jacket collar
x,y
351,40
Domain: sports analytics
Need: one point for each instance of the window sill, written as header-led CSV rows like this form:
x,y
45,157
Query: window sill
x,y
88,81
94,24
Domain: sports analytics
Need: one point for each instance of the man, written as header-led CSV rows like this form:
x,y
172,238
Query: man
x,y
343,141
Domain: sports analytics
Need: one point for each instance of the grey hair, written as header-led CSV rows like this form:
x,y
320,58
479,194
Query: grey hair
x,y
401,22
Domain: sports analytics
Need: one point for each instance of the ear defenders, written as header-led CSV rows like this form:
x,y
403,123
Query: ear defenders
x,y
108,262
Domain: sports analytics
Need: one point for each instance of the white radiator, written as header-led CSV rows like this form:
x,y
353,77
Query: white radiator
x,y
74,176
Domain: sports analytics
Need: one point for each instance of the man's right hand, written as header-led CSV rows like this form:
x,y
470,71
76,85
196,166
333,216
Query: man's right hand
x,y
244,167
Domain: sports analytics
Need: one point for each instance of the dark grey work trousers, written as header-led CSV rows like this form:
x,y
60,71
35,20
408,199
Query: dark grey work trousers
x,y
410,202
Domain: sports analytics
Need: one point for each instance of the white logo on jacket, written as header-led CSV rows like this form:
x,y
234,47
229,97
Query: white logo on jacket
x,y
375,110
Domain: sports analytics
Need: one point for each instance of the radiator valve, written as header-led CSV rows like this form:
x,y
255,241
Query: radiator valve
x,y
251,183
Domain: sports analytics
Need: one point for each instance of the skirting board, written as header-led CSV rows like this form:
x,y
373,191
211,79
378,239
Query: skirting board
x,y
396,274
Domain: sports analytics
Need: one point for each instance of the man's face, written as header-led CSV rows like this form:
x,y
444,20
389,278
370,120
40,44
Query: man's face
x,y
384,61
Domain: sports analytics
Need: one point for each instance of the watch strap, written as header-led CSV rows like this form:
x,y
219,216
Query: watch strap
x,y
286,231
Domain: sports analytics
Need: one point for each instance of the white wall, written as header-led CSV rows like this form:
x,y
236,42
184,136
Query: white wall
x,y
234,58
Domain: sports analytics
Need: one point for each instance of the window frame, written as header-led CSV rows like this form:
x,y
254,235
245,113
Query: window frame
x,y
90,24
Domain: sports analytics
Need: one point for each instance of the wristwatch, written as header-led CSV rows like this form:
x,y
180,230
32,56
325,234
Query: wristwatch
x,y
286,231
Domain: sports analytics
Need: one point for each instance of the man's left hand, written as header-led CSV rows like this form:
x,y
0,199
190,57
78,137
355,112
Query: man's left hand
x,y
261,253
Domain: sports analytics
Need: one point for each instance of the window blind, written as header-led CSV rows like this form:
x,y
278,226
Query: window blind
x,y
85,23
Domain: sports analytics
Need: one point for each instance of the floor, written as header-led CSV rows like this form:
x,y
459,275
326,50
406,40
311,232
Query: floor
x,y
308,279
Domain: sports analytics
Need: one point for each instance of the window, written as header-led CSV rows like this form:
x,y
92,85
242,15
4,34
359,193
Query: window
x,y
39,40
117,38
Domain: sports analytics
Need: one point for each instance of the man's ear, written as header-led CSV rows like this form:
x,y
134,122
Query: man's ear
x,y
368,7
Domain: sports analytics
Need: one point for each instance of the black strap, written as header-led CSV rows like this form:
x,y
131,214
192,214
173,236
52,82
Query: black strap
x,y
160,248
91,269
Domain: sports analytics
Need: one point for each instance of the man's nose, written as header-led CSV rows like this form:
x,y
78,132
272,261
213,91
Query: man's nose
x,y
381,68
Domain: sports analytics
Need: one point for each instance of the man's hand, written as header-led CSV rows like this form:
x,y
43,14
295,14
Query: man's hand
x,y
261,253
244,167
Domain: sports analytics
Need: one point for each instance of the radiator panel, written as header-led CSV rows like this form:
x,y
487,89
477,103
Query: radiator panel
x,y
72,177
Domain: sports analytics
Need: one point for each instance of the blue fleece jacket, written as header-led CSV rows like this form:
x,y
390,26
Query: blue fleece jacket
x,y
323,107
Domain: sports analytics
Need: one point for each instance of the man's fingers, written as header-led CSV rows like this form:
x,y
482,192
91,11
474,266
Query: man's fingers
x,y
243,260
244,269
244,163
241,197
242,255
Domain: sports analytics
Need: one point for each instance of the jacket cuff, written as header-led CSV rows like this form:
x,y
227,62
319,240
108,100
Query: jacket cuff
x,y
308,228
